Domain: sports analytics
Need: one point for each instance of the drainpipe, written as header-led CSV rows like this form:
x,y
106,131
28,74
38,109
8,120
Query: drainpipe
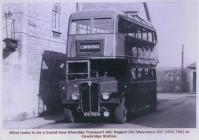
x,y
77,7
182,69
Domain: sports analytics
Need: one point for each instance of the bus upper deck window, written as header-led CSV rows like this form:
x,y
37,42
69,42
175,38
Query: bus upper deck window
x,y
103,25
88,26
80,26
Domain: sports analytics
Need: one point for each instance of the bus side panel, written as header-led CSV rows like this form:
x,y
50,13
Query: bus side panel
x,y
119,45
140,94
137,94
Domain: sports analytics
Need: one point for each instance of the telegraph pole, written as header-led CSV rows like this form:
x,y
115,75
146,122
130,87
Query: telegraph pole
x,y
147,11
77,7
182,68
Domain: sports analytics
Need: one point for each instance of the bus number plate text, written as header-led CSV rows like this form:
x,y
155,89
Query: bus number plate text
x,y
91,114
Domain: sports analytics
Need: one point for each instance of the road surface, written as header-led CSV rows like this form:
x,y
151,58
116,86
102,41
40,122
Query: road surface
x,y
173,111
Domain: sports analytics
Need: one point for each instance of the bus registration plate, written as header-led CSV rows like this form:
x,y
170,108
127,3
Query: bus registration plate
x,y
91,114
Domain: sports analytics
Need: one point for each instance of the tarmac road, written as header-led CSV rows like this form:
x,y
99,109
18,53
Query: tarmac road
x,y
173,111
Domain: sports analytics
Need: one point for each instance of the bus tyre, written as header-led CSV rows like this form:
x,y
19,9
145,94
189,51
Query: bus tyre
x,y
68,116
153,104
121,112
76,116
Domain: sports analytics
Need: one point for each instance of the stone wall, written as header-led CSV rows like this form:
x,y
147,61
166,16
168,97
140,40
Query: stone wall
x,y
170,80
21,69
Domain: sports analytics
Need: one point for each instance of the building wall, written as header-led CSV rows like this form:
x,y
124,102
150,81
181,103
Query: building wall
x,y
12,65
170,80
192,83
21,69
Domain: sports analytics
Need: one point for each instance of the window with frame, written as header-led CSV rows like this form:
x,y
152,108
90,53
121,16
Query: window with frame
x,y
140,53
139,71
133,30
152,74
134,51
9,25
122,26
133,73
56,17
92,26
77,70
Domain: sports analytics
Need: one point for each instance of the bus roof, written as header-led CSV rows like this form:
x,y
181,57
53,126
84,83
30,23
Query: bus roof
x,y
109,13
95,13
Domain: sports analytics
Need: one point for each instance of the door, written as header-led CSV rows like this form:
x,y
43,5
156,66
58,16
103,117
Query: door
x,y
194,81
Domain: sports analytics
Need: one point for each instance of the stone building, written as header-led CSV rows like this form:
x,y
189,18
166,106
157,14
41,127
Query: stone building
x,y
35,28
176,80
192,76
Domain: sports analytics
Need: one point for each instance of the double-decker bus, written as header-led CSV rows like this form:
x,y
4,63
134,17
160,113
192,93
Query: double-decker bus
x,y
110,65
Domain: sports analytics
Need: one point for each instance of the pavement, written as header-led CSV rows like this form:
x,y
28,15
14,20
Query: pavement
x,y
41,122
33,122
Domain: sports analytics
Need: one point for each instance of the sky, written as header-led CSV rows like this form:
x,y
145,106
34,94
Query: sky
x,y
176,25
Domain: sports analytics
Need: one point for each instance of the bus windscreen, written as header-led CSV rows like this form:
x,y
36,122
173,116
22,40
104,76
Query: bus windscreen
x,y
94,26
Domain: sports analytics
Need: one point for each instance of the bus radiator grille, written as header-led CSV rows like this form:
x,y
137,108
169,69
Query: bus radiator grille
x,y
94,97
89,96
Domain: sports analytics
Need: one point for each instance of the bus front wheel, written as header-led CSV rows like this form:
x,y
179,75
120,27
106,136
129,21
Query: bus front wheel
x,y
68,116
121,112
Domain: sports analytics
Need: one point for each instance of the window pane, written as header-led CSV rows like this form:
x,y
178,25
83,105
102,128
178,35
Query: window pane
x,y
121,26
56,20
78,67
85,26
150,36
103,25
134,51
77,70
81,26
140,53
144,35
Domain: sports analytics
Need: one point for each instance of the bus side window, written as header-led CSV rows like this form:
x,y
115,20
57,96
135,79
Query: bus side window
x,y
154,37
139,73
140,53
146,72
134,51
151,74
150,38
133,74
121,26
154,74
142,74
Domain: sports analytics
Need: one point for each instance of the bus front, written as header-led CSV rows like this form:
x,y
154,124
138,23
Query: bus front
x,y
92,33
95,78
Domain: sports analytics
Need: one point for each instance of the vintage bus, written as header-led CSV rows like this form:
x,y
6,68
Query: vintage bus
x,y
109,67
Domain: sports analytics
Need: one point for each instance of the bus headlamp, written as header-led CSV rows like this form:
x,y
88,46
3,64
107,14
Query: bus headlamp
x,y
105,95
75,96
63,88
